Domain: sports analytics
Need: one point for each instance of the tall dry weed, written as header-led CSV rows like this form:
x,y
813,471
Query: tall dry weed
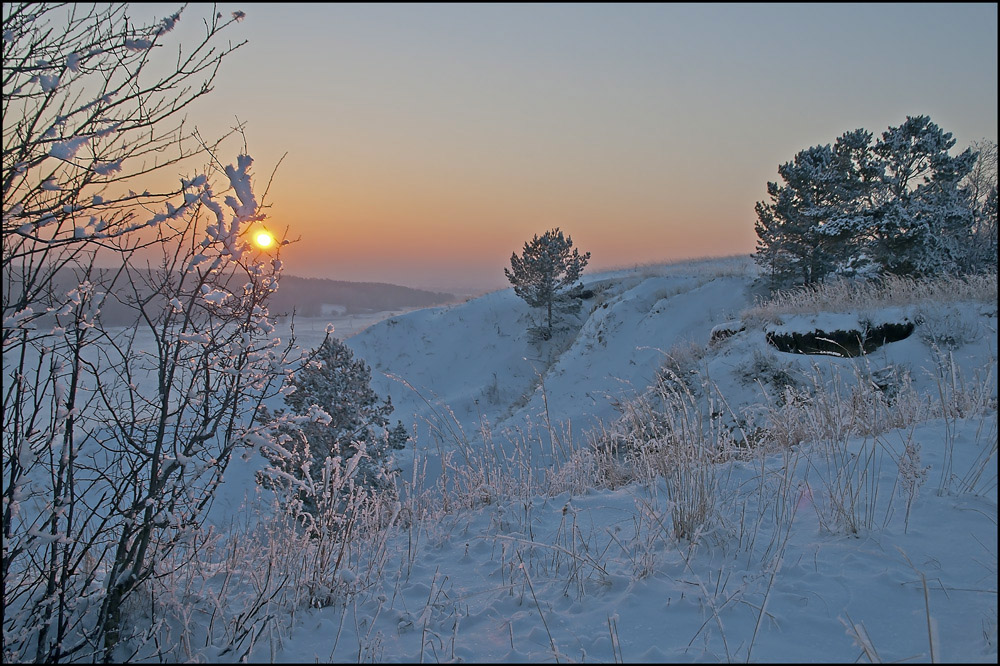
x,y
889,291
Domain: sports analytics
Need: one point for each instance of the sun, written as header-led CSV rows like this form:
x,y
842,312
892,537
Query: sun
x,y
264,239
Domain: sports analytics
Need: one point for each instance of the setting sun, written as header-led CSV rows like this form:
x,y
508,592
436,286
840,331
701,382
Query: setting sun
x,y
264,239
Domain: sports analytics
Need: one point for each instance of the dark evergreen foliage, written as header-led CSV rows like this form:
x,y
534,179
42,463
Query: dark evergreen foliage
x,y
352,419
896,206
546,276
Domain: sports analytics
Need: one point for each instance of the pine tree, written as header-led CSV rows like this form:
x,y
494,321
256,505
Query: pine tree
x,y
810,227
924,220
897,206
546,275
352,419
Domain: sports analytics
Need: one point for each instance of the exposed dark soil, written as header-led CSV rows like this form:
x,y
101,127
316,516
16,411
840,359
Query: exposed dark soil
x,y
840,343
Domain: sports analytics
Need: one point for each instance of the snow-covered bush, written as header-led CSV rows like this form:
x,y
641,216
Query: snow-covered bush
x,y
943,326
338,425
775,376
680,366
674,434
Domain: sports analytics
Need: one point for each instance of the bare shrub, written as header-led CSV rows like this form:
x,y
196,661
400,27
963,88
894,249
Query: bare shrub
x,y
942,325
127,389
667,433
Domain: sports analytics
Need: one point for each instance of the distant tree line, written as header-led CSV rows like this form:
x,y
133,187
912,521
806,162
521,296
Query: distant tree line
x,y
307,296
900,205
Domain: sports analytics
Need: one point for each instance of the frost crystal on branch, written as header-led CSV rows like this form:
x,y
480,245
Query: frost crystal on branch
x,y
136,436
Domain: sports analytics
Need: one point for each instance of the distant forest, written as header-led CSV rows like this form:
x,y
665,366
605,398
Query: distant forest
x,y
308,295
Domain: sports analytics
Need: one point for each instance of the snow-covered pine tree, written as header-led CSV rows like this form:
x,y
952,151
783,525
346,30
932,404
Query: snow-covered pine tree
x,y
352,421
924,221
546,276
896,207
810,228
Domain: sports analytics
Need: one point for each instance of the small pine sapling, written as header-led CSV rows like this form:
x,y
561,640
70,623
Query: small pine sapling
x,y
334,414
546,276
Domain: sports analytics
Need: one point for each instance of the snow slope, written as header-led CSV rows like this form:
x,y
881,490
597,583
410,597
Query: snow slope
x,y
877,544
465,365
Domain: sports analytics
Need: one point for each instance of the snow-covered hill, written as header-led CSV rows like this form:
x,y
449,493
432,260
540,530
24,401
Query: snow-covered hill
x,y
467,365
452,370
660,483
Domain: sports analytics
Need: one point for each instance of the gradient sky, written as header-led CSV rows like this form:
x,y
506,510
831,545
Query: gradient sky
x,y
426,143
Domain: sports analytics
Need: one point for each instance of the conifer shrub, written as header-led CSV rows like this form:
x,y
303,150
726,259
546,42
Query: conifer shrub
x,y
334,418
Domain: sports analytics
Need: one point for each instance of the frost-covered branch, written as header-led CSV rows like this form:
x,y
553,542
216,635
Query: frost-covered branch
x,y
115,437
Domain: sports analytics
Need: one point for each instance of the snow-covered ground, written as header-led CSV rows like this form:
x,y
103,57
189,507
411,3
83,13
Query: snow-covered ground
x,y
834,537
656,483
